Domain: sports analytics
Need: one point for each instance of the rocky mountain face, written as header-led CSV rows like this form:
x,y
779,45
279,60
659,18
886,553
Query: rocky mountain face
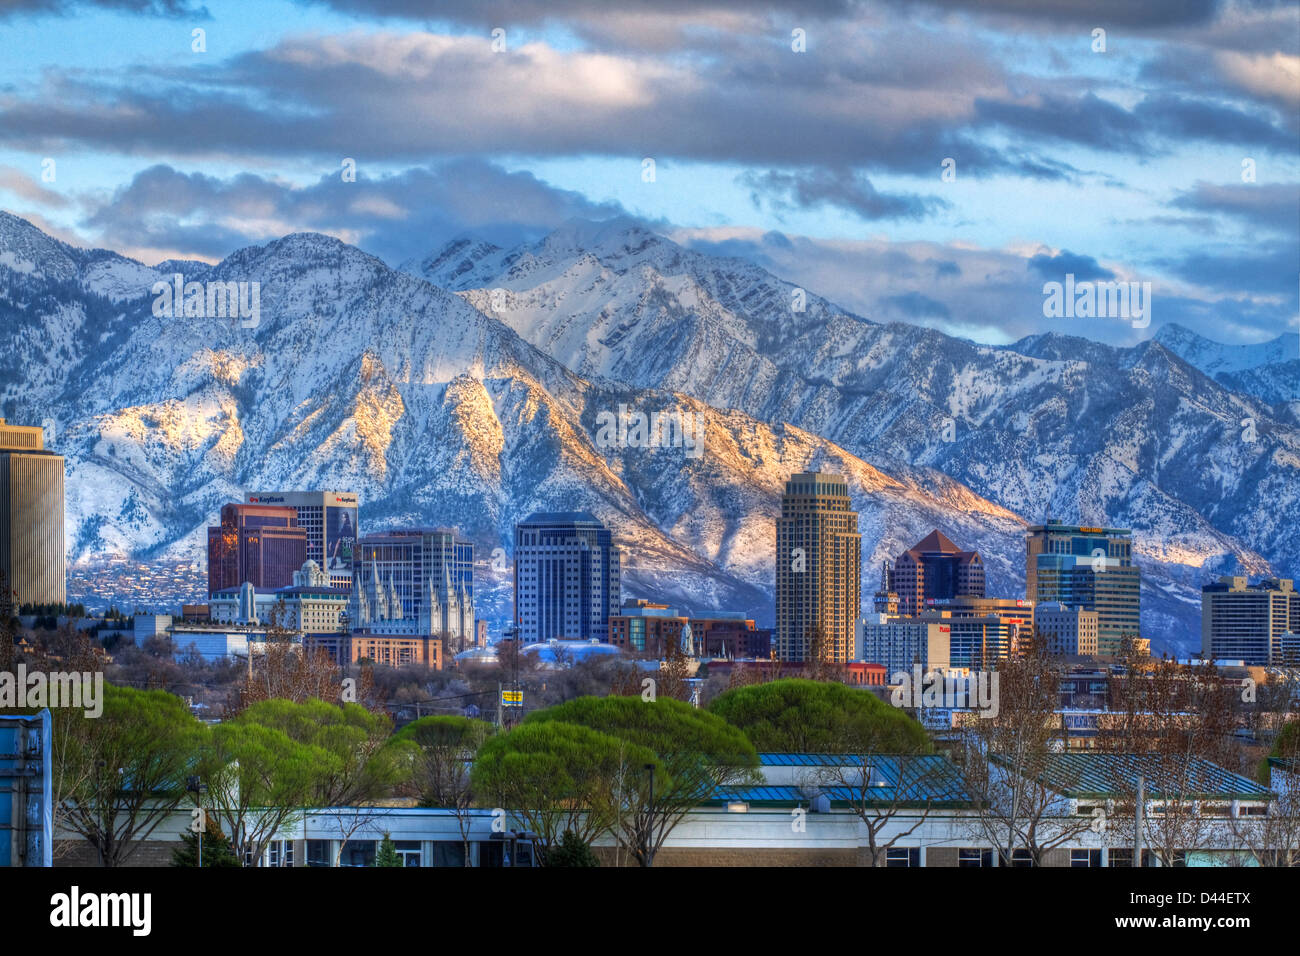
x,y
476,406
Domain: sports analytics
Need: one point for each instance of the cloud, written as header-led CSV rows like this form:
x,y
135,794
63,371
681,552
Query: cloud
x,y
1054,267
840,188
1270,206
394,216
20,184
152,8
406,97
996,296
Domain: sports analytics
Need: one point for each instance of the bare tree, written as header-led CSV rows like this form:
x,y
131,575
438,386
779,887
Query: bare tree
x,y
1011,764
882,789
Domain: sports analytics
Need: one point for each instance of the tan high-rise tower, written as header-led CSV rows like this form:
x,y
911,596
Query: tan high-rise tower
x,y
818,568
32,549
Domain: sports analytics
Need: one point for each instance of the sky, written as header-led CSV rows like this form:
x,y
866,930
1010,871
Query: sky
x,y
929,162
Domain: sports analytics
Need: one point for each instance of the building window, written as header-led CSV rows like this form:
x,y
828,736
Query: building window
x,y
318,853
903,856
359,853
974,856
1022,857
448,853
1123,857
409,851
1085,858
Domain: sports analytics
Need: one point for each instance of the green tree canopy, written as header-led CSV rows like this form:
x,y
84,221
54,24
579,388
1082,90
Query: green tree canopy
x,y
124,772
387,853
444,747
696,754
365,767
804,716
558,777
260,779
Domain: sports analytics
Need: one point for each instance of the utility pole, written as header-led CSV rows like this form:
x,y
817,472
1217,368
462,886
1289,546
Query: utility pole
x,y
1137,819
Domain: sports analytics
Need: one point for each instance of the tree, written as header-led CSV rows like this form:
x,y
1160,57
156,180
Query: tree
x,y
366,764
699,755
260,780
1009,764
387,853
572,852
807,716
1273,839
1176,720
126,769
217,851
443,752
820,662
887,772
557,778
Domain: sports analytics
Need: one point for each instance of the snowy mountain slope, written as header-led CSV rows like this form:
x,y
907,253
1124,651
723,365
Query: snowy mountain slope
x,y
1268,370
1055,425
362,377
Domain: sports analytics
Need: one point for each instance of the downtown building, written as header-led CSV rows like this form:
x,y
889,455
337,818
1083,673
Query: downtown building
x,y
256,544
310,606
934,569
331,521
33,553
969,633
568,578
1257,624
1090,568
818,569
1068,631
648,630
413,583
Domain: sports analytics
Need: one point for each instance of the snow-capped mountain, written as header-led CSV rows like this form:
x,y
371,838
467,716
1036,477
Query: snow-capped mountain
x,y
1054,425
1268,370
476,409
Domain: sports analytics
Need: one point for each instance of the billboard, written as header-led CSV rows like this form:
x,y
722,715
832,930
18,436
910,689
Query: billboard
x,y
340,538
26,791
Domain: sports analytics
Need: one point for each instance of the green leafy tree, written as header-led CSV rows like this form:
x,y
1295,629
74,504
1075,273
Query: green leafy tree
x,y
217,851
696,756
806,716
260,780
441,753
131,763
387,853
571,852
364,764
557,778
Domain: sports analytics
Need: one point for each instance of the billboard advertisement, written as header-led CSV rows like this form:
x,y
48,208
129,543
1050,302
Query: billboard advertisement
x,y
340,538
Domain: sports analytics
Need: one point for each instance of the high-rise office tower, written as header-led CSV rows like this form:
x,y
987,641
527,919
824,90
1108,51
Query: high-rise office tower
x,y
260,545
1249,622
1085,567
417,581
568,577
33,554
818,569
331,522
934,569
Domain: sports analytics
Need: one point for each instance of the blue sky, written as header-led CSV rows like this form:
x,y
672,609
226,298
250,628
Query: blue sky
x,y
822,165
